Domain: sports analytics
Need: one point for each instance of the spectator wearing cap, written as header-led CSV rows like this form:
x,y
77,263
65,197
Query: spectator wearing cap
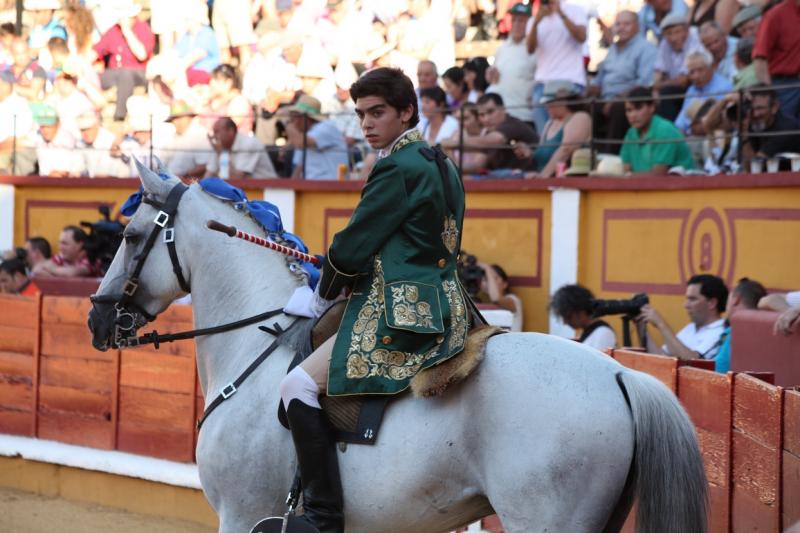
x,y
705,83
629,63
512,73
233,23
497,140
45,24
722,48
72,259
237,156
439,124
653,13
29,77
746,22
670,77
319,146
55,144
777,54
225,99
17,128
197,49
653,144
557,36
95,147
125,47
569,128
746,71
189,151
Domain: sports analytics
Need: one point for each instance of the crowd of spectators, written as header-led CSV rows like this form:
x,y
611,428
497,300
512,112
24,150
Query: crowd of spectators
x,y
86,87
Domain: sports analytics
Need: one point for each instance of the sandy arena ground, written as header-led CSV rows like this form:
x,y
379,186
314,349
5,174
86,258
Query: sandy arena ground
x,y
24,512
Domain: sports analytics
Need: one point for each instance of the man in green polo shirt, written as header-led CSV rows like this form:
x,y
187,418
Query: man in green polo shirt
x,y
645,149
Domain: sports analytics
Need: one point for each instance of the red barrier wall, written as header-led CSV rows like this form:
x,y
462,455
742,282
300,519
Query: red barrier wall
x,y
754,347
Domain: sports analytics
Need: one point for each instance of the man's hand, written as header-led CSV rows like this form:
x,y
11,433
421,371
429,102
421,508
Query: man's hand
x,y
788,322
522,151
541,13
492,75
215,143
651,316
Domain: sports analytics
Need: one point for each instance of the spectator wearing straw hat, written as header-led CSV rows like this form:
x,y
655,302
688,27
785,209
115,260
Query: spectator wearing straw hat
x,y
236,155
55,144
746,22
319,146
629,63
188,153
653,13
512,73
95,147
126,47
777,54
653,144
670,77
45,24
569,128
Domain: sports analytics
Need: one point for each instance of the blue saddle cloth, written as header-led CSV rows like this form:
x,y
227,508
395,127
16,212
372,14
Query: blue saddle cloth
x,y
266,214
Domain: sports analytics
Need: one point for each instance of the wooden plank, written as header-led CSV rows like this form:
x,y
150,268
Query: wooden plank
x,y
70,340
165,443
65,310
37,357
20,340
16,364
68,400
791,421
16,422
790,490
75,429
756,455
18,311
86,374
154,408
157,372
16,396
663,368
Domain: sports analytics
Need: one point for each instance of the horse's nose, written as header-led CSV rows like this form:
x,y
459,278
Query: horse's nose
x,y
100,328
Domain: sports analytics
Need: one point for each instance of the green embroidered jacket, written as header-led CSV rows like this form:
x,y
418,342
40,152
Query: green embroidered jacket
x,y
398,255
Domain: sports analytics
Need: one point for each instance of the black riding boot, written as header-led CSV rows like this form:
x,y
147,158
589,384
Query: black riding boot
x,y
319,467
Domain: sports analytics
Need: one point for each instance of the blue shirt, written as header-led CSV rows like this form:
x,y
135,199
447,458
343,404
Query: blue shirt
x,y
722,362
716,89
204,39
625,68
323,160
647,17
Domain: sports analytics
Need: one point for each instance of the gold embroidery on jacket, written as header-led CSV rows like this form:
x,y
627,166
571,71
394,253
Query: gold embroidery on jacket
x,y
458,315
407,311
450,234
410,137
363,360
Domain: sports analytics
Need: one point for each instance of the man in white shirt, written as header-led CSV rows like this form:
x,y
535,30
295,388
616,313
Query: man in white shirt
x,y
575,305
512,74
95,147
671,78
701,338
557,35
237,156
55,144
189,151
16,127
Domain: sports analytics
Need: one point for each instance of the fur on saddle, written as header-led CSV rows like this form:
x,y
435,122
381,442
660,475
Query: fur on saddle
x,y
433,381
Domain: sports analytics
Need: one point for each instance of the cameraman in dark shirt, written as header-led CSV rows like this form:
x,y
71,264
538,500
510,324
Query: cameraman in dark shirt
x,y
764,120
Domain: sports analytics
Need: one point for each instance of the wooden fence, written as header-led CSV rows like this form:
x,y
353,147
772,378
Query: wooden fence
x,y
54,385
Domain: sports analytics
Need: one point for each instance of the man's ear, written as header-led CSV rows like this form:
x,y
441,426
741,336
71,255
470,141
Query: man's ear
x,y
407,113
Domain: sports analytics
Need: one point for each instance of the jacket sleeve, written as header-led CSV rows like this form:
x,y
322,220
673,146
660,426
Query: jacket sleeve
x,y
383,208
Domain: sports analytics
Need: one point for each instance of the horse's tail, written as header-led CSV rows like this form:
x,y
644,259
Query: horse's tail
x,y
670,479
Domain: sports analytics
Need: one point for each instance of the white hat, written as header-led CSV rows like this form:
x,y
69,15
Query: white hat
x,y
314,62
41,5
139,113
345,74
87,119
609,166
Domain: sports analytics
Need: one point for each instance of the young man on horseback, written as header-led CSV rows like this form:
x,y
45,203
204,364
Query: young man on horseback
x,y
397,258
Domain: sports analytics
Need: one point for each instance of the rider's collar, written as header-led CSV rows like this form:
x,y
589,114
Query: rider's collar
x,y
409,136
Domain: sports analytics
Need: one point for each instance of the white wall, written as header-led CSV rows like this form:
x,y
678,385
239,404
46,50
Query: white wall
x,y
565,208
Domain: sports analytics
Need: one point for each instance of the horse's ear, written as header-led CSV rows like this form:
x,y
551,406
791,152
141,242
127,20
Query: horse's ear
x,y
164,172
152,182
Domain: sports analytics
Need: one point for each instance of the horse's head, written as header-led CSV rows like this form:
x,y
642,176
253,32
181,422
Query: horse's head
x,y
147,273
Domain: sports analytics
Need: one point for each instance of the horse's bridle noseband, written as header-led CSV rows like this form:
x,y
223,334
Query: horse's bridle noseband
x,y
127,319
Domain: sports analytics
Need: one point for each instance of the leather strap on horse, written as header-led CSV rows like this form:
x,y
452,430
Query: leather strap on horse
x,y
231,388
156,339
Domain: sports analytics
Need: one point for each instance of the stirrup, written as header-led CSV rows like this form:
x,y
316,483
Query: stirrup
x,y
289,523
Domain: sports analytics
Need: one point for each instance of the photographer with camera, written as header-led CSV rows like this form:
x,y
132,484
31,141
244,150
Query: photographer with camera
x,y
765,122
706,298
575,306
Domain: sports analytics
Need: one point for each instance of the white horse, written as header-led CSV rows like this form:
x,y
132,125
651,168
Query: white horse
x,y
549,434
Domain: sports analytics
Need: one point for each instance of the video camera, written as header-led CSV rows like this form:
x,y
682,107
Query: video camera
x,y
630,307
470,274
105,237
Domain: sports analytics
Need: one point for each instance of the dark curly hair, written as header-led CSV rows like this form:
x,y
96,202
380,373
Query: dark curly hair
x,y
570,299
392,85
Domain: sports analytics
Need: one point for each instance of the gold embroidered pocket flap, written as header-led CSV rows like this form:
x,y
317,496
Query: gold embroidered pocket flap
x,y
413,306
